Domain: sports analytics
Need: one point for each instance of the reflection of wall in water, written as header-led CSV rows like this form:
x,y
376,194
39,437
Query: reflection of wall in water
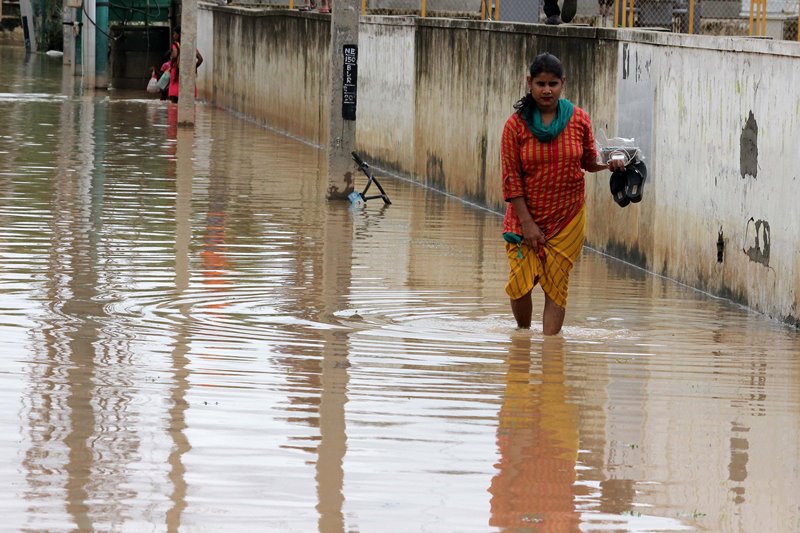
x,y
716,435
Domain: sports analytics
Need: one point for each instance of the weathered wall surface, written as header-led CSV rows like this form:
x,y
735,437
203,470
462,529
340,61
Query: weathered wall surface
x,y
271,66
720,139
727,138
205,44
720,135
386,92
468,76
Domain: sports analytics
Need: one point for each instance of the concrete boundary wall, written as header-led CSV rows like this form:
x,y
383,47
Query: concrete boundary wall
x,y
269,65
715,116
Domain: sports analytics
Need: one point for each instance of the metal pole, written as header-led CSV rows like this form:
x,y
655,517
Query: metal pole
x,y
188,72
101,44
88,45
69,38
691,16
343,98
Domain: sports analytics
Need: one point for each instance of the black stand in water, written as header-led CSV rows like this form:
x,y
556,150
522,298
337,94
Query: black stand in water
x,y
370,180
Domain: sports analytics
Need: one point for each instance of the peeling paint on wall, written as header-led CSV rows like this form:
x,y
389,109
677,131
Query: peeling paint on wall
x,y
748,154
758,235
626,61
635,97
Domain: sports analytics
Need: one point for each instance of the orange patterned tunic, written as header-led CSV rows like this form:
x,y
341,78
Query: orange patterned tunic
x,y
549,175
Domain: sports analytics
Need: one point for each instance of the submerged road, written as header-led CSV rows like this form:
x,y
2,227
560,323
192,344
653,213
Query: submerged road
x,y
192,338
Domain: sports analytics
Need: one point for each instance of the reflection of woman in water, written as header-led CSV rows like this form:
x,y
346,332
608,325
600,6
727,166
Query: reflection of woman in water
x,y
538,443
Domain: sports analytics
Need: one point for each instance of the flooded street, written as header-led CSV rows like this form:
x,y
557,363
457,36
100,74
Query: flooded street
x,y
193,339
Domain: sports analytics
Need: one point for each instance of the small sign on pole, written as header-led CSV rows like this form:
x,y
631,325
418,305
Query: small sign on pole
x,y
349,81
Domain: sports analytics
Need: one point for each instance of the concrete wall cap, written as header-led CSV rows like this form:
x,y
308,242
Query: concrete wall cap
x,y
703,42
253,11
632,35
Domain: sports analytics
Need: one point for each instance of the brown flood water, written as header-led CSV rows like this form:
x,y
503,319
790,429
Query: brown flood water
x,y
193,339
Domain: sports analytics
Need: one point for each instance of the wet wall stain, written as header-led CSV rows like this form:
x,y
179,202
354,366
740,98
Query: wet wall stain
x,y
434,171
758,236
748,150
729,293
632,254
481,193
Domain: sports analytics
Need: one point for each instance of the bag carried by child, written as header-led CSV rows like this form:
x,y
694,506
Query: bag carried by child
x,y
163,81
152,85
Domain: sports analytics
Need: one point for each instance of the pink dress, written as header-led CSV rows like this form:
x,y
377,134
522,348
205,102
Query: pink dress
x,y
174,76
173,72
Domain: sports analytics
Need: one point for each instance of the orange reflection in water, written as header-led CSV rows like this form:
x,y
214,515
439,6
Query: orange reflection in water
x,y
215,262
537,438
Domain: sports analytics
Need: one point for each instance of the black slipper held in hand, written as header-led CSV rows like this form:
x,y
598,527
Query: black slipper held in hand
x,y
618,182
627,184
636,174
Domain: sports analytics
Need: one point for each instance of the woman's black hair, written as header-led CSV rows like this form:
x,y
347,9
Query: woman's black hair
x,y
177,29
544,62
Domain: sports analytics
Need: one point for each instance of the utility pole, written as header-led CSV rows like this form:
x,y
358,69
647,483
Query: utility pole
x,y
342,109
28,30
88,50
188,72
68,14
101,44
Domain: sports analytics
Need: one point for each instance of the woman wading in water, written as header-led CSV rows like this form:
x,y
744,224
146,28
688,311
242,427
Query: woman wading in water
x,y
546,145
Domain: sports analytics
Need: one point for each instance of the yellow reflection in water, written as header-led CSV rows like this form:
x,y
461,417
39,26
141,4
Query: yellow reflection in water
x,y
537,438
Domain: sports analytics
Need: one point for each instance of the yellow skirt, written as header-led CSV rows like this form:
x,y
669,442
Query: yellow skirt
x,y
552,272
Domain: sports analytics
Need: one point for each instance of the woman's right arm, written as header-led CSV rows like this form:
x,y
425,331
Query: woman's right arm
x,y
531,233
513,190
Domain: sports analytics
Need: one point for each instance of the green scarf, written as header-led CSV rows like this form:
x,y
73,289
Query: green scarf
x,y
556,126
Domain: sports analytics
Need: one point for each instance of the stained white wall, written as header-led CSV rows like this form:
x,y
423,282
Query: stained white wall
x,y
386,93
707,176
205,44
